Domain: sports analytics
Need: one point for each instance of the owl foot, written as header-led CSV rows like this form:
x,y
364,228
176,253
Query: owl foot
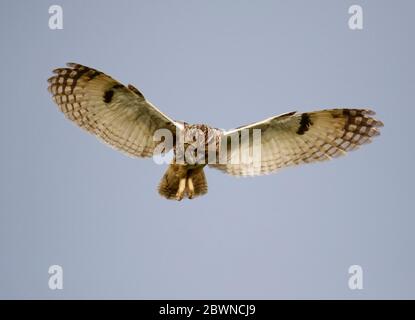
x,y
190,188
180,191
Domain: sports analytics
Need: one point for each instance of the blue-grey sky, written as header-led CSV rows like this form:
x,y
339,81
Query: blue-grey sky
x,y
67,199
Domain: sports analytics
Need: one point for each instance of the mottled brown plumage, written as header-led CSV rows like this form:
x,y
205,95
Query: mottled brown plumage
x,y
123,118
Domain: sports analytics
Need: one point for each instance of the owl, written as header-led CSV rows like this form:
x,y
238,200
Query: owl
x,y
124,119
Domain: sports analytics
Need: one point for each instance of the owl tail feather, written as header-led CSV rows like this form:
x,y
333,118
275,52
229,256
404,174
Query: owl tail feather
x,y
179,182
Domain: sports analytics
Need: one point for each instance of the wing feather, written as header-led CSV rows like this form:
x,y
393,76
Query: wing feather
x,y
296,138
116,114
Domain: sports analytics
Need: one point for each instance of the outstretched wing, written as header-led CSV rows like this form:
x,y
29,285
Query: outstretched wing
x,y
118,115
295,138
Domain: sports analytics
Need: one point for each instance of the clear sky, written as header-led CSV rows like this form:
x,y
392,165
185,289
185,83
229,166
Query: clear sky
x,y
67,199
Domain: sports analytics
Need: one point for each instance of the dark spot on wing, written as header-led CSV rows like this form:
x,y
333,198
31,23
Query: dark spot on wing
x,y
92,73
136,91
305,123
108,96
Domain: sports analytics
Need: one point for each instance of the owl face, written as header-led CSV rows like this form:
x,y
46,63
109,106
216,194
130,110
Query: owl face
x,y
199,134
195,142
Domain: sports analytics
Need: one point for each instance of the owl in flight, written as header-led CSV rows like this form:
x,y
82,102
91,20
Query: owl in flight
x,y
122,117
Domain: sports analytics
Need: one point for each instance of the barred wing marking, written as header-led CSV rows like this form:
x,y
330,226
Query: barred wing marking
x,y
296,138
116,114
